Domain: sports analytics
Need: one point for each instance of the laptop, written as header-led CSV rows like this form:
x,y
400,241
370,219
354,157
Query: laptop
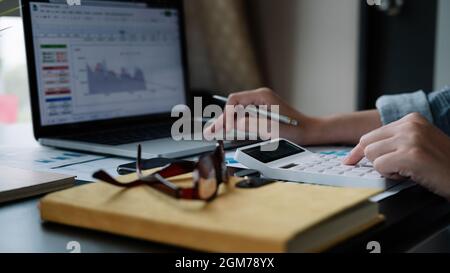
x,y
105,75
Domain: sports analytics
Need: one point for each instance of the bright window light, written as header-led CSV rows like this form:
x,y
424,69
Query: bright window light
x,y
14,97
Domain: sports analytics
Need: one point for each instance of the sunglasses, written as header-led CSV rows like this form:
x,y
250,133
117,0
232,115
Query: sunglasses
x,y
208,174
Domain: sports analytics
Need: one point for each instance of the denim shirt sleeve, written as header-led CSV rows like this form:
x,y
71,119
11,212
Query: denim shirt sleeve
x,y
434,107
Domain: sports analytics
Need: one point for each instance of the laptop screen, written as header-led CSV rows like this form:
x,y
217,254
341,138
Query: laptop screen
x,y
105,59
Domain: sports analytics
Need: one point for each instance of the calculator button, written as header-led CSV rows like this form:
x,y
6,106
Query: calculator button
x,y
352,174
344,168
366,169
327,166
366,163
337,160
361,171
303,162
314,170
331,164
373,175
333,172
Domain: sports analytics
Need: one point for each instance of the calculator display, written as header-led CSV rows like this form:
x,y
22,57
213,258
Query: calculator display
x,y
285,149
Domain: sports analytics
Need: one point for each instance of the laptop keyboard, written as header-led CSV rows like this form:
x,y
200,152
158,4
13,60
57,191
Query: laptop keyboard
x,y
125,135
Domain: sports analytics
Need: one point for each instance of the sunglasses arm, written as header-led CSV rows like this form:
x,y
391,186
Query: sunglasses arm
x,y
172,190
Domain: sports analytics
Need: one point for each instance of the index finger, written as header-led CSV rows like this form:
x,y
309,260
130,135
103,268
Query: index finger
x,y
226,120
358,153
213,128
245,98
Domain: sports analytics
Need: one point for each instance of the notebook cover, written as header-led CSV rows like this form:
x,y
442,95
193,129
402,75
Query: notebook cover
x,y
240,220
17,183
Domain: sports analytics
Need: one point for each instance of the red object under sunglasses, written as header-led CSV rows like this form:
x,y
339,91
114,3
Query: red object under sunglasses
x,y
208,174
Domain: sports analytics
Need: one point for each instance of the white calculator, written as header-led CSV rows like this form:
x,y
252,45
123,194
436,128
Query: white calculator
x,y
284,160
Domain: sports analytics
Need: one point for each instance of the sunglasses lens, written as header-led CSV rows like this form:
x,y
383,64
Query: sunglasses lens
x,y
207,188
206,178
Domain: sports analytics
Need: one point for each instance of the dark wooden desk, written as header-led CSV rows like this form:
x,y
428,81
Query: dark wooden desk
x,y
416,221
23,231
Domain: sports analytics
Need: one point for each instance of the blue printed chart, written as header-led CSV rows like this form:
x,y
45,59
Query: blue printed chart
x,y
43,158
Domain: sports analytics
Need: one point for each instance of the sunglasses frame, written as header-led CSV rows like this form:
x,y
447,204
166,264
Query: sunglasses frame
x,y
158,180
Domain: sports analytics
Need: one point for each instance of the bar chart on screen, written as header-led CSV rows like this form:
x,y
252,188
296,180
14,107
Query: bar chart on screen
x,y
117,74
101,80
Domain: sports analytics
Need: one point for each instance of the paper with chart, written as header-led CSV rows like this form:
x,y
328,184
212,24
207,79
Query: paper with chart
x,y
47,159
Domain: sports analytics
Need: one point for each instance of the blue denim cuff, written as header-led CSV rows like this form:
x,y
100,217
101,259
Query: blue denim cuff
x,y
393,108
440,106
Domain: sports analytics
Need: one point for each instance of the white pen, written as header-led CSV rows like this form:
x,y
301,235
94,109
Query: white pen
x,y
277,117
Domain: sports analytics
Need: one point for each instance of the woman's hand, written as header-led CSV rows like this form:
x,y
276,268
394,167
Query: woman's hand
x,y
336,129
409,148
302,134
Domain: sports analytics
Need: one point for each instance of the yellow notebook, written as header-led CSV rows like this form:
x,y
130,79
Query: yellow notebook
x,y
281,217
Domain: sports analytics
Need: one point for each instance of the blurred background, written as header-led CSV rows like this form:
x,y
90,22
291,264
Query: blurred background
x,y
324,56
